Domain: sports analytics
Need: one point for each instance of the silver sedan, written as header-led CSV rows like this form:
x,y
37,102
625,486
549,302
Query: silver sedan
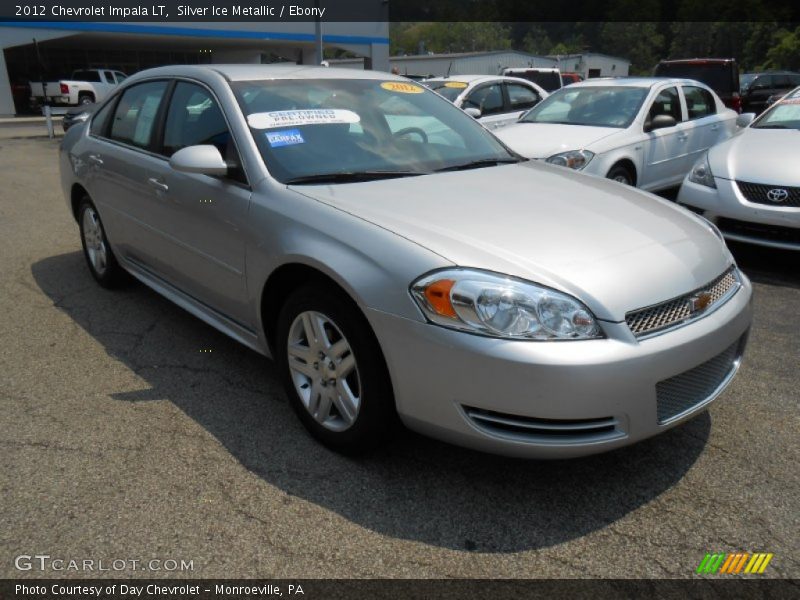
x,y
750,185
400,264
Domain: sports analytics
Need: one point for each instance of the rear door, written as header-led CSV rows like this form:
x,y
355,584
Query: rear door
x,y
705,128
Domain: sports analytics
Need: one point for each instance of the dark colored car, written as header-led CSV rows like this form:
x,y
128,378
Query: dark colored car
x,y
720,74
757,92
569,77
77,114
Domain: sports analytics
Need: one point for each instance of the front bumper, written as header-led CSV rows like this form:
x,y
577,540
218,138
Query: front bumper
x,y
553,399
741,220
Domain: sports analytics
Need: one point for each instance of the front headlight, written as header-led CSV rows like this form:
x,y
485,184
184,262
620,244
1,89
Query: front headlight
x,y
499,306
574,159
701,173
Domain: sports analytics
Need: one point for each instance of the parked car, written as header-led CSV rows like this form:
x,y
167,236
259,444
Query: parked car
x,y
494,100
77,114
757,92
549,79
646,132
720,74
397,260
750,185
86,86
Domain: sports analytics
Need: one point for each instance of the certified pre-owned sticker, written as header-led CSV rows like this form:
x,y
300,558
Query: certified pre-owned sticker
x,y
285,137
403,88
293,118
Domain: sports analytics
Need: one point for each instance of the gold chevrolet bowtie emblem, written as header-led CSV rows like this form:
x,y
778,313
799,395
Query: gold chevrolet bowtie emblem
x,y
699,301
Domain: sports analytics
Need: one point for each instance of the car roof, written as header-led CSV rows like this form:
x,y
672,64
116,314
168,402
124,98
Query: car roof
x,y
258,72
699,61
644,82
470,79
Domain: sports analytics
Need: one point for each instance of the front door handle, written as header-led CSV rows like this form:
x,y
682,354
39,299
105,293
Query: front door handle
x,y
683,138
158,185
95,158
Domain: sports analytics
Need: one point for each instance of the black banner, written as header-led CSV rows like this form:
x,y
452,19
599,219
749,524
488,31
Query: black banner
x,y
396,589
509,11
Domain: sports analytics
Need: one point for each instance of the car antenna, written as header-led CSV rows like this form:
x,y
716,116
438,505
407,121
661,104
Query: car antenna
x,y
450,66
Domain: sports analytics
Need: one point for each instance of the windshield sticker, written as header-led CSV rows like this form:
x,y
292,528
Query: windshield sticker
x,y
456,84
291,118
285,137
403,88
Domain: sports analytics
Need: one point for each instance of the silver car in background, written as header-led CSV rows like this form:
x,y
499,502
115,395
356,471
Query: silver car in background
x,y
397,260
750,185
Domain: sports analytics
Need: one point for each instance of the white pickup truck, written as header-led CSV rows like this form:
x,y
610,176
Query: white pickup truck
x,y
85,87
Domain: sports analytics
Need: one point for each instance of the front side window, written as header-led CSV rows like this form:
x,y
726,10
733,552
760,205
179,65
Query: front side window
x,y
195,118
666,103
699,102
597,106
100,119
312,129
135,116
488,99
521,97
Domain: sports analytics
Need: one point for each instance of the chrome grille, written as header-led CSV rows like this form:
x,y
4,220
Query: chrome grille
x,y
677,395
759,193
542,430
647,321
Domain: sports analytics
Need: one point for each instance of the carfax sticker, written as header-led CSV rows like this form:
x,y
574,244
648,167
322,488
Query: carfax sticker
x,y
285,137
403,88
293,118
456,84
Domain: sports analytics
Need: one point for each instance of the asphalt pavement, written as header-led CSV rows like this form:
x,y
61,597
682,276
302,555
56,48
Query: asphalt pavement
x,y
132,431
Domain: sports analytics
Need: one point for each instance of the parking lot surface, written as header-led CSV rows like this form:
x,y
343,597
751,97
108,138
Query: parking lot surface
x,y
133,431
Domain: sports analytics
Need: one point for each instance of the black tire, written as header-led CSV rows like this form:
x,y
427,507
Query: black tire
x,y
376,416
621,174
112,275
85,99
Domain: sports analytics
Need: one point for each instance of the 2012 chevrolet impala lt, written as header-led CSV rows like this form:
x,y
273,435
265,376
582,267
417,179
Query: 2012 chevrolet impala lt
x,y
397,260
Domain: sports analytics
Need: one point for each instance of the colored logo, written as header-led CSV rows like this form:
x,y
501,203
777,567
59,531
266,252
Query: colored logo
x,y
777,195
699,302
735,563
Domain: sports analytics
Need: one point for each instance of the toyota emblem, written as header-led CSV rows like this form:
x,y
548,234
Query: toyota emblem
x,y
777,195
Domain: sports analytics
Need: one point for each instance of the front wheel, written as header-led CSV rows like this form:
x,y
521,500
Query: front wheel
x,y
333,370
621,175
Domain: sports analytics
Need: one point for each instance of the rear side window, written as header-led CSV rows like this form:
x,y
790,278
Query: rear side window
x,y
521,97
699,102
134,119
93,76
100,120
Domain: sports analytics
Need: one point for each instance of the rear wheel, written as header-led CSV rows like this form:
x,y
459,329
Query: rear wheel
x,y
85,99
621,174
333,370
96,249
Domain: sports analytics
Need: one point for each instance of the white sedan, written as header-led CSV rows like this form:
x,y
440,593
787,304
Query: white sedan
x,y
749,186
646,132
496,101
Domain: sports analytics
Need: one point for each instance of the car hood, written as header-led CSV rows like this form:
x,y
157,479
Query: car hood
x,y
541,140
758,156
614,247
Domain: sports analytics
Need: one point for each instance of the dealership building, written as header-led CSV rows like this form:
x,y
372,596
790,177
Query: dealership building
x,y
36,51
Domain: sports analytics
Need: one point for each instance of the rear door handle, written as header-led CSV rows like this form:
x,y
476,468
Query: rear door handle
x,y
715,127
158,185
95,158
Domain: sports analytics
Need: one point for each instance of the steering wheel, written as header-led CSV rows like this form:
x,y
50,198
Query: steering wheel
x,y
408,130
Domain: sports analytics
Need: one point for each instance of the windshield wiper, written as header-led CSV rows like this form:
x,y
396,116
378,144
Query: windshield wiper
x,y
477,164
772,127
351,176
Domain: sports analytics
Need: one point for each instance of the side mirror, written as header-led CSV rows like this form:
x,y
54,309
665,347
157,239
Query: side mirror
x,y
744,119
475,113
661,122
204,159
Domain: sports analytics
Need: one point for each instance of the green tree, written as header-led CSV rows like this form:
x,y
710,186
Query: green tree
x,y
785,53
640,43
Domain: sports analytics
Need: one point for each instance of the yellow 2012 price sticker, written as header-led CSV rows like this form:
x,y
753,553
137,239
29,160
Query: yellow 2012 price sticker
x,y
403,88
456,84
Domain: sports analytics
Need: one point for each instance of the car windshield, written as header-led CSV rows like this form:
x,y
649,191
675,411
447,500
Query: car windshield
x,y
783,115
338,130
597,106
448,89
